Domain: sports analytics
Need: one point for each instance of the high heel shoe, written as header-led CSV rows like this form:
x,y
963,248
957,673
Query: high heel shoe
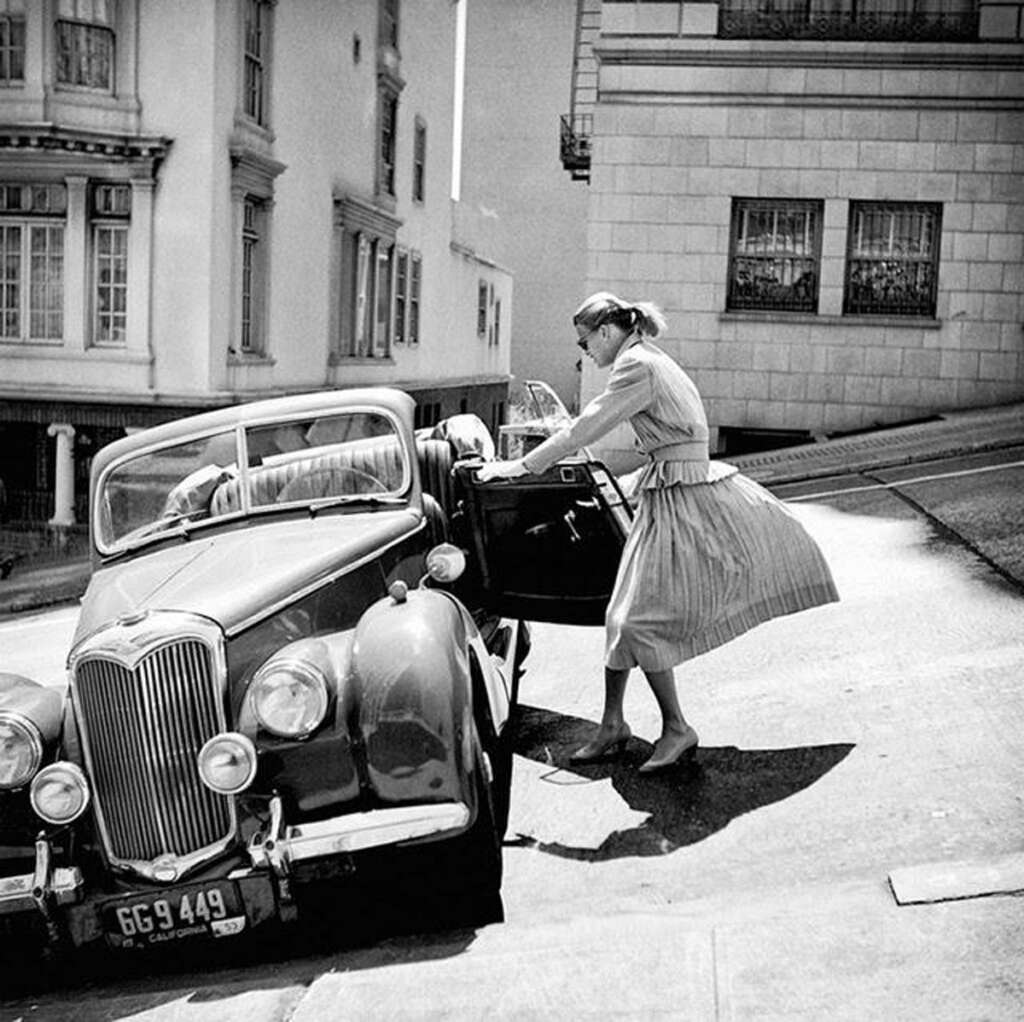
x,y
602,748
679,748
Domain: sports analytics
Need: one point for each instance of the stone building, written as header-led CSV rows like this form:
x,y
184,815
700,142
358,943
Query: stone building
x,y
203,203
826,198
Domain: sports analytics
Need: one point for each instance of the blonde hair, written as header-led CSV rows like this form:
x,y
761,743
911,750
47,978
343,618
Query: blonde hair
x,y
604,307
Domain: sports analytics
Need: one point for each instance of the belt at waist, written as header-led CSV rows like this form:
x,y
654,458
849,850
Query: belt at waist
x,y
692,450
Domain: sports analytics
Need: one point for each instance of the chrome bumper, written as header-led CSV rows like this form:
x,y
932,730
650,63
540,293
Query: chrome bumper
x,y
42,888
282,845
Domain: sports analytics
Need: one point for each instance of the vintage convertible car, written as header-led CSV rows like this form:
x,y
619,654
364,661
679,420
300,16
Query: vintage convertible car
x,y
294,667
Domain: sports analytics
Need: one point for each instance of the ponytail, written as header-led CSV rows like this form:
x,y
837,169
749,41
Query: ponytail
x,y
604,307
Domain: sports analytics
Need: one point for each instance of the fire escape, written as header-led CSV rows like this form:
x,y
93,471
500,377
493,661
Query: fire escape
x,y
578,124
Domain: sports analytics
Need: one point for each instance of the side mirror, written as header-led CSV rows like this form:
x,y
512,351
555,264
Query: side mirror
x,y
445,563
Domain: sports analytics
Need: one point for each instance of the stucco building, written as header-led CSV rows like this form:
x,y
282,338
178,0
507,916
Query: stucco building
x,y
826,198
202,203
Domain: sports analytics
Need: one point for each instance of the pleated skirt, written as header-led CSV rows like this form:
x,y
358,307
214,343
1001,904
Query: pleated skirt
x,y
704,563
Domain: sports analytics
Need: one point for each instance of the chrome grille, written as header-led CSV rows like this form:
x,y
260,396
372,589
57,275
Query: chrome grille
x,y
143,727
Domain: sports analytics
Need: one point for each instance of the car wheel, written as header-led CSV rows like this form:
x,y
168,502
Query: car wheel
x,y
469,885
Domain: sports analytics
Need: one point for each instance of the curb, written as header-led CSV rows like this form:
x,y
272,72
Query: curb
x,y
952,435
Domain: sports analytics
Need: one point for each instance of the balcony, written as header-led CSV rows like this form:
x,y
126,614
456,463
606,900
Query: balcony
x,y
881,20
575,145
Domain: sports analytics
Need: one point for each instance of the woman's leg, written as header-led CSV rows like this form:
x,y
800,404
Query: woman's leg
x,y
663,685
614,694
613,732
678,740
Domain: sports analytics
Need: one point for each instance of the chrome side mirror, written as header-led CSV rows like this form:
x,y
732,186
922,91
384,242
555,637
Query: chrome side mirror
x,y
445,563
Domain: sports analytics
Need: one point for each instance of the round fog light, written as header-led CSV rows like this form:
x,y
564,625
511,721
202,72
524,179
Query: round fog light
x,y
227,763
59,793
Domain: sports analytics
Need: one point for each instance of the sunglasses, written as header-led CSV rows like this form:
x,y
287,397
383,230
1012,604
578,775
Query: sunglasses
x,y
584,341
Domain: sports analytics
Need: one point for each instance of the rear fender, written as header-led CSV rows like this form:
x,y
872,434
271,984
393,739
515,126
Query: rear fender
x,y
412,693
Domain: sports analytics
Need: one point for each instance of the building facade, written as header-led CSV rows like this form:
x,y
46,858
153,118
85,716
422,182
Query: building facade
x,y
207,203
826,198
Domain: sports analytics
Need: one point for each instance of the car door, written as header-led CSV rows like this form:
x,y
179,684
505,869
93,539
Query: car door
x,y
547,547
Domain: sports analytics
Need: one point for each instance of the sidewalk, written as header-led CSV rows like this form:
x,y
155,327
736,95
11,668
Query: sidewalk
x,y
35,588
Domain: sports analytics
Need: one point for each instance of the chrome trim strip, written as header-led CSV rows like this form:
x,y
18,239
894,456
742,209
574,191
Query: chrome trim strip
x,y
355,832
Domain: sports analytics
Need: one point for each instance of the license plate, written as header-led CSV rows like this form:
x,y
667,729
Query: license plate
x,y
198,910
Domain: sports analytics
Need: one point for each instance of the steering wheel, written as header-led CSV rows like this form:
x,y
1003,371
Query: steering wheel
x,y
330,482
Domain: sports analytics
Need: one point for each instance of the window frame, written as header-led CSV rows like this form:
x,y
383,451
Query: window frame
x,y
251,336
401,293
257,26
38,207
481,308
788,298
926,266
12,49
388,23
419,160
415,296
387,139
75,39
110,209
364,270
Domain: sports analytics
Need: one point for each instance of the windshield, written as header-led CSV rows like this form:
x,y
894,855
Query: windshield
x,y
535,412
356,456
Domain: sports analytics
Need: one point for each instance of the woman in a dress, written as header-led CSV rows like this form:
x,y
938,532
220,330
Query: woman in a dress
x,y
710,553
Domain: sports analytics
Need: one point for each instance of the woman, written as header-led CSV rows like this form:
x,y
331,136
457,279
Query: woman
x,y
710,553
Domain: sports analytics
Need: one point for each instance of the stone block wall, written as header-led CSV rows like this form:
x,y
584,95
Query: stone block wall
x,y
684,126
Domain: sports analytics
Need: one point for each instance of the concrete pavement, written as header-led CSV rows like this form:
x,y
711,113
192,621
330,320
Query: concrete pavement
x,y
918,937
34,587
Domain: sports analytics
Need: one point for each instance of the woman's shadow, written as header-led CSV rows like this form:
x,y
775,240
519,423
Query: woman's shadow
x,y
685,804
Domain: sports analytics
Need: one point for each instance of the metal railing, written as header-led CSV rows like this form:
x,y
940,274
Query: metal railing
x,y
575,144
888,20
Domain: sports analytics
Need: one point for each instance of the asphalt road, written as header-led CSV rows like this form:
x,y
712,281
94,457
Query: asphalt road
x,y
837,745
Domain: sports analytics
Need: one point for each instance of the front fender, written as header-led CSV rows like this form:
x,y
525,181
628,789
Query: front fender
x,y
42,707
30,700
411,685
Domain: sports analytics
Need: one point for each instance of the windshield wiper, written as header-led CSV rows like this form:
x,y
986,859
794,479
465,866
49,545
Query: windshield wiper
x,y
354,498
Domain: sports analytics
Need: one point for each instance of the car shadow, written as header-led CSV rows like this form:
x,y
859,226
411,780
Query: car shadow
x,y
685,804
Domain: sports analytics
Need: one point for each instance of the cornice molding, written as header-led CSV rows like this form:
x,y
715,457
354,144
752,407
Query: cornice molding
x,y
806,53
53,143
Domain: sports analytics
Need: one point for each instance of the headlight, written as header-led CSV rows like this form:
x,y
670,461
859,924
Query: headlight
x,y
21,750
60,793
289,697
227,763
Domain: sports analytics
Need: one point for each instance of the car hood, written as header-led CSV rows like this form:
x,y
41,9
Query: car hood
x,y
233,577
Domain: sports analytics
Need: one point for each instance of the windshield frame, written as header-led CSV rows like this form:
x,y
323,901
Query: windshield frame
x,y
182,527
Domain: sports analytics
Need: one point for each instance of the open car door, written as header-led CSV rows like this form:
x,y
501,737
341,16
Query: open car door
x,y
547,546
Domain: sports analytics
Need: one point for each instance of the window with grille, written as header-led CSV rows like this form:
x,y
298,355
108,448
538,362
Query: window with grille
x,y
250,340
419,161
388,102
111,213
774,255
32,262
496,326
256,59
12,41
84,38
892,261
